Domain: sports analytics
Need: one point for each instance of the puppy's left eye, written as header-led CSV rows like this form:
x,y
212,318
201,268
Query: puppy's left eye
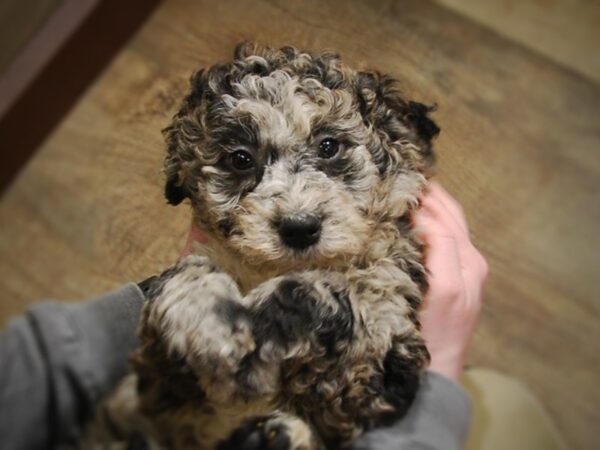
x,y
241,160
329,147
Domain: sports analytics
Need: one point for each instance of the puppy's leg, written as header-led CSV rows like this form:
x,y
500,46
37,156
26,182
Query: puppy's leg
x,y
312,328
194,327
277,431
305,314
402,366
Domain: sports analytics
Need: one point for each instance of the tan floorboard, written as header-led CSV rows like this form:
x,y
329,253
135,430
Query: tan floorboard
x,y
519,148
566,31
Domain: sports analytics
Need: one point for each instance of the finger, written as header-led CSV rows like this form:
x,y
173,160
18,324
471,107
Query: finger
x,y
445,283
450,203
442,257
475,273
426,221
436,208
433,224
462,263
470,258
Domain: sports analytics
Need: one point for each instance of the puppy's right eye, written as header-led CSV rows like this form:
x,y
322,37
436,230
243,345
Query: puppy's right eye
x,y
241,160
328,148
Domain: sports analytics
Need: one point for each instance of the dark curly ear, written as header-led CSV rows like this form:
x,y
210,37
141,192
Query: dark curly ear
x,y
176,190
175,193
383,107
175,184
417,115
181,136
245,49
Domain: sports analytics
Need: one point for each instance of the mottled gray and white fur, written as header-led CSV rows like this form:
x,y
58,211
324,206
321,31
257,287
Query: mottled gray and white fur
x,y
296,326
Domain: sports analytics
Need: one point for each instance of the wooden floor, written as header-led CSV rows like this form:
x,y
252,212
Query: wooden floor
x,y
566,31
520,148
19,21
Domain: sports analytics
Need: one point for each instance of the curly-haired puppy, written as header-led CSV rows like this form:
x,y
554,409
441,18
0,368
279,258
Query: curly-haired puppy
x,y
295,327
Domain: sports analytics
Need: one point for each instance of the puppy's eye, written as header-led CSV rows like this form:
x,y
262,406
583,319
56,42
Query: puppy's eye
x,y
241,160
328,148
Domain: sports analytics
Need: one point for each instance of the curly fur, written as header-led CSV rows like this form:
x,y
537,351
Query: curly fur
x,y
253,340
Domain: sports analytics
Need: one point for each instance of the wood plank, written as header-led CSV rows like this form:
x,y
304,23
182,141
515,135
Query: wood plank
x,y
19,22
41,47
519,149
42,83
567,32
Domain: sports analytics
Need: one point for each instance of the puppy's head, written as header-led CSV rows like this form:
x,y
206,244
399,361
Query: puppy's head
x,y
291,158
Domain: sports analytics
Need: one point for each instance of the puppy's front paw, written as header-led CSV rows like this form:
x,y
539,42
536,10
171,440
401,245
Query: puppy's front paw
x,y
256,434
195,311
275,432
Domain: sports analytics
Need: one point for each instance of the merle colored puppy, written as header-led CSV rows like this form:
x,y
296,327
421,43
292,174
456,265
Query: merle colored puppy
x,y
295,327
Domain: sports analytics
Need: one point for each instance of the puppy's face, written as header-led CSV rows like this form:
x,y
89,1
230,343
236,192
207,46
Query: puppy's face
x,y
291,159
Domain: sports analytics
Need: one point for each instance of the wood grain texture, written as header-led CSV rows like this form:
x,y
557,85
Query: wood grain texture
x,y
63,58
566,31
519,148
19,22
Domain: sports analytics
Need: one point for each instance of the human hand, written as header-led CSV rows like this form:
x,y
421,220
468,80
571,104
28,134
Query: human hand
x,y
457,273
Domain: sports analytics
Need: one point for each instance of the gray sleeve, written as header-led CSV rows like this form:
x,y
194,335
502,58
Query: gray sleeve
x,y
57,360
438,420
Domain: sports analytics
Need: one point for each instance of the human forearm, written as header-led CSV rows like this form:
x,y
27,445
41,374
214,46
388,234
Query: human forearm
x,y
438,420
58,360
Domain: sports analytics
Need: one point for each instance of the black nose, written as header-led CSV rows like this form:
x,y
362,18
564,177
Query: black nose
x,y
301,232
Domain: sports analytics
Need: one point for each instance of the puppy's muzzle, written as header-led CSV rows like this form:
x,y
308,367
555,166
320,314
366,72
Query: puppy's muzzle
x,y
300,232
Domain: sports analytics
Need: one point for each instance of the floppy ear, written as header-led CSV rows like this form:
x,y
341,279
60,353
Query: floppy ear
x,y
176,189
249,48
175,193
394,118
181,136
417,116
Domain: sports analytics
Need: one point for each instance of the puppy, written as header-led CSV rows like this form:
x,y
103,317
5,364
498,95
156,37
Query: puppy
x,y
296,326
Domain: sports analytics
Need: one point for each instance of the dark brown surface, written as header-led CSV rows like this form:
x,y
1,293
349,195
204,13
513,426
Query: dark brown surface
x,y
19,21
519,149
57,80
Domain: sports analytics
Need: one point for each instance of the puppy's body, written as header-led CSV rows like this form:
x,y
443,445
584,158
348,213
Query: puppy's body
x,y
295,327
